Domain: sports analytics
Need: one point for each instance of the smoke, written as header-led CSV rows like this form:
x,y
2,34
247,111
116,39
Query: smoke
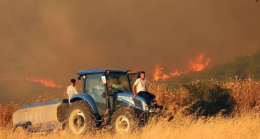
x,y
49,39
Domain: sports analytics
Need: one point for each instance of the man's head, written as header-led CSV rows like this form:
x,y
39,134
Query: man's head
x,y
142,75
116,80
73,82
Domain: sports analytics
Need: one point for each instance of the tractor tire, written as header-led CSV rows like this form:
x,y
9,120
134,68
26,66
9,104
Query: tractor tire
x,y
124,121
80,118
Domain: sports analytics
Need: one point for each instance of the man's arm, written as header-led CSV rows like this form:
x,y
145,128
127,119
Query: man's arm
x,y
134,89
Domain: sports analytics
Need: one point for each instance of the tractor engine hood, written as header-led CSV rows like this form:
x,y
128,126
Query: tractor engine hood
x,y
137,102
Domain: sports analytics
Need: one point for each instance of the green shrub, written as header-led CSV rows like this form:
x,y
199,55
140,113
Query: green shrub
x,y
209,98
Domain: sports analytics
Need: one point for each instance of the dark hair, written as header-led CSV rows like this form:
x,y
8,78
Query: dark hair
x,y
73,81
141,72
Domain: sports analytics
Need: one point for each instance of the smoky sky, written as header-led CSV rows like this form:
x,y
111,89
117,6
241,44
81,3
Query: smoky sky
x,y
50,39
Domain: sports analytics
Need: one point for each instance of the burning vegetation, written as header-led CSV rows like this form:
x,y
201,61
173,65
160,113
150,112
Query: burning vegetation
x,y
197,64
47,83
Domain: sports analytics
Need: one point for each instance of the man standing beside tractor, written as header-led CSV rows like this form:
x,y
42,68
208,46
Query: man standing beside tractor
x,y
71,90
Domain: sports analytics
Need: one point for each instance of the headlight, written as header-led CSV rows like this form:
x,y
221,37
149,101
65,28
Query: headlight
x,y
145,106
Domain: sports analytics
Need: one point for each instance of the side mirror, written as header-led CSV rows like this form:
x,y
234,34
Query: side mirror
x,y
104,80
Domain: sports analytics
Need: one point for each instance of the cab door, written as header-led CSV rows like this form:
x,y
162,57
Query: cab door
x,y
96,90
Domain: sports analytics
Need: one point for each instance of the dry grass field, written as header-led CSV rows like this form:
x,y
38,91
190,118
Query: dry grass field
x,y
244,122
246,126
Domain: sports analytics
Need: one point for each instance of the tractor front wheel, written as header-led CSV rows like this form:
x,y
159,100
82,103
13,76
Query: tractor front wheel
x,y
80,118
124,121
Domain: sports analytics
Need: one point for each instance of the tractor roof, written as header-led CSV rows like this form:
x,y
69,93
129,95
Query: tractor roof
x,y
84,72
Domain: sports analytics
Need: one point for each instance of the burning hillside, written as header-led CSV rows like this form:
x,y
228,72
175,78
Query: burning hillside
x,y
197,64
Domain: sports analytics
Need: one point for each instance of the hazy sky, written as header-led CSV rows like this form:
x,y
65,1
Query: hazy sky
x,y
51,38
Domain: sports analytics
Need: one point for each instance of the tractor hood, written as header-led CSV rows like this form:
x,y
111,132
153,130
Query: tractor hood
x,y
137,102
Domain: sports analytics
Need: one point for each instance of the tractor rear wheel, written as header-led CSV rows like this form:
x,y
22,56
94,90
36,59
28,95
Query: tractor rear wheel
x,y
80,118
124,121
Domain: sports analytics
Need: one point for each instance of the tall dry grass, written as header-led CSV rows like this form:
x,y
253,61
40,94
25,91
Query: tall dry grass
x,y
246,94
241,127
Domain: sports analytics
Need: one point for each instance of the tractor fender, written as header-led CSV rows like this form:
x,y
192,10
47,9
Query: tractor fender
x,y
86,98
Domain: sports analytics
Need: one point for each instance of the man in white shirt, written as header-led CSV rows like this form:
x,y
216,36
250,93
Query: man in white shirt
x,y
140,84
140,88
71,90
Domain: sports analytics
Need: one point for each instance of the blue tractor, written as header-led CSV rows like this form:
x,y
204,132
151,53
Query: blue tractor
x,y
106,101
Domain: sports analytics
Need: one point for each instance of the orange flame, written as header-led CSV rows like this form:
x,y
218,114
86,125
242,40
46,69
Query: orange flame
x,y
47,83
198,64
157,73
177,73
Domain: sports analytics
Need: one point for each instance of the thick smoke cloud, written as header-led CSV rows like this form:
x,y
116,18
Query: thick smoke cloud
x,y
51,38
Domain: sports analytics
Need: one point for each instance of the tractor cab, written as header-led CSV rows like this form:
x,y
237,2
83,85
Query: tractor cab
x,y
103,85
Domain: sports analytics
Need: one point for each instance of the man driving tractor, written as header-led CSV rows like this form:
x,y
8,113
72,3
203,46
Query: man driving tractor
x,y
117,84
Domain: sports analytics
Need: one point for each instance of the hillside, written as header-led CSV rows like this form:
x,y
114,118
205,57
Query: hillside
x,y
242,67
